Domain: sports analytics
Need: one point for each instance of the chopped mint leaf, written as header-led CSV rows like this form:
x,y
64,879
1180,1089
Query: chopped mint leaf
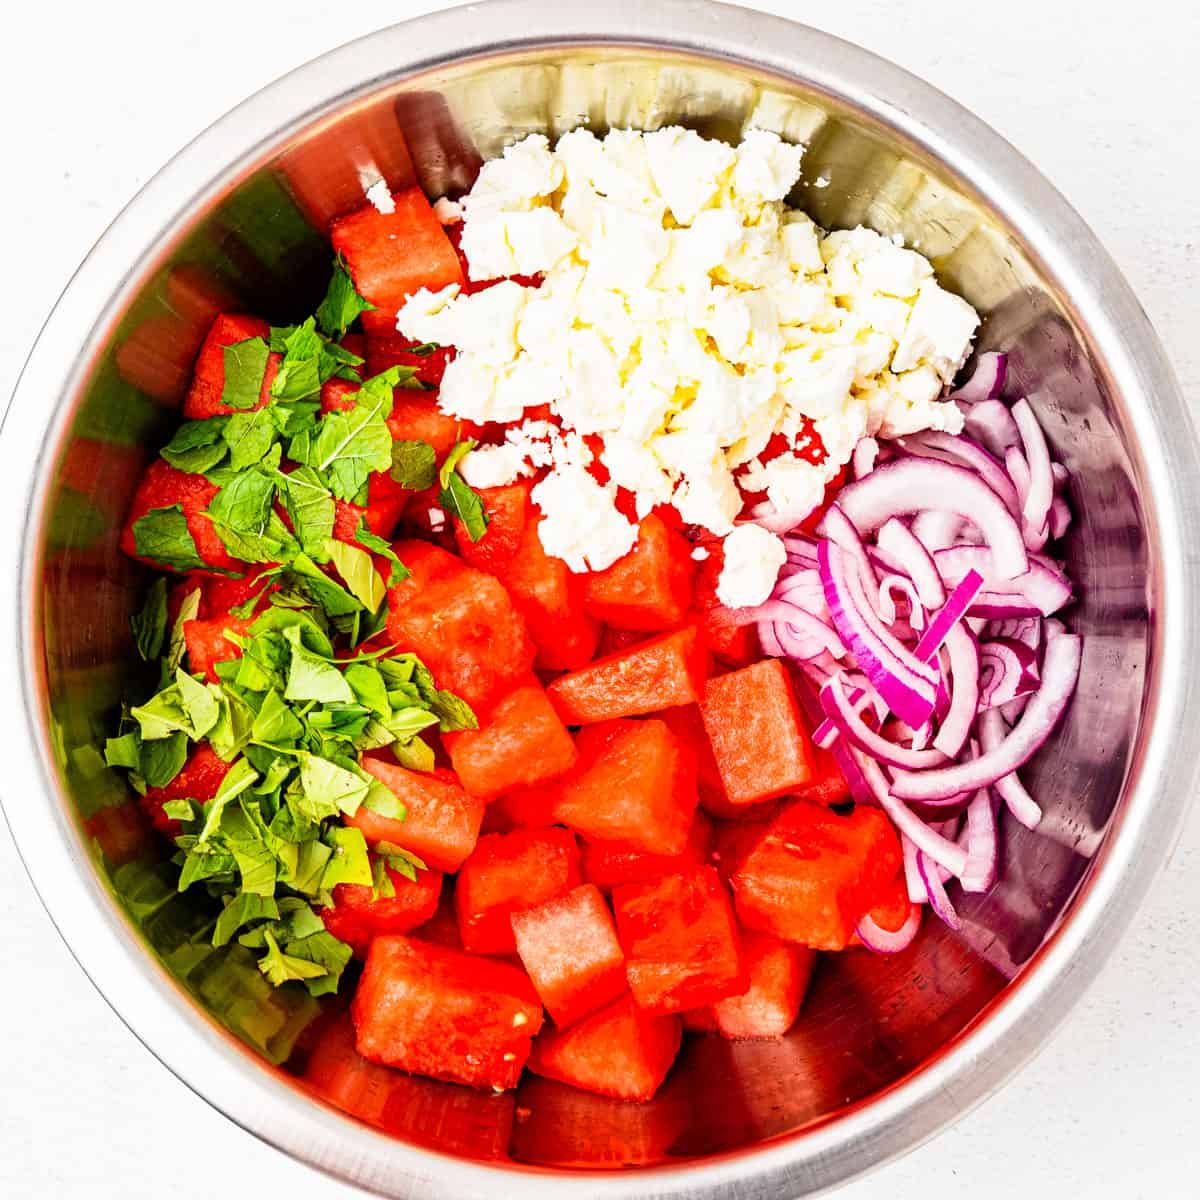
x,y
349,862
241,910
358,571
281,968
149,625
326,951
414,465
311,509
348,446
415,755
305,580
228,737
403,862
368,687
244,517
382,800
197,446
176,644
458,452
198,702
249,435
124,751
330,788
162,536
163,759
397,572
276,723
406,723
245,368
172,710
457,497
342,305
179,810
312,678
239,777
299,375
294,419
424,350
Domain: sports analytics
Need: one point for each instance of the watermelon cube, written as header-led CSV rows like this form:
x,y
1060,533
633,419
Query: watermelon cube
x,y
620,1051
779,975
417,418
392,255
733,841
461,623
570,950
224,592
651,587
634,784
828,785
523,743
891,909
522,808
681,942
507,510
699,1020
207,644
509,872
199,780
757,733
610,864
208,380
733,645
441,823
660,673
442,927
384,351
163,486
688,725
814,874
359,913
434,1011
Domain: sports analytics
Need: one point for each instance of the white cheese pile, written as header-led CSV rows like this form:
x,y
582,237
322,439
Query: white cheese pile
x,y
686,316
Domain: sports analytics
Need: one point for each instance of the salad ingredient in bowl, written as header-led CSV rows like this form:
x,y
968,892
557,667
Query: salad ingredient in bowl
x,y
628,613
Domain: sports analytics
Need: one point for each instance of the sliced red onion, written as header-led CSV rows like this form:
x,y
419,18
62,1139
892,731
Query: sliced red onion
x,y
889,585
927,840
1060,518
964,692
1041,476
908,685
936,530
902,487
987,379
1060,671
909,555
804,637
884,941
990,423
1043,588
838,529
983,845
840,709
967,453
1061,476
1012,711
860,790
1018,471
951,613
917,893
1008,669
1027,630
938,900
865,454
992,733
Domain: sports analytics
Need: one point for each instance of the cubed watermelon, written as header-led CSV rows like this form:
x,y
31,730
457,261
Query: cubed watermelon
x,y
360,913
570,950
891,908
394,351
733,645
441,824
620,1051
122,833
507,510
523,743
442,927
208,380
416,418
815,873
509,872
199,780
681,942
610,864
733,841
634,784
163,486
461,623
828,785
223,592
660,673
522,808
688,725
392,255
651,587
757,734
208,644
434,1011
779,973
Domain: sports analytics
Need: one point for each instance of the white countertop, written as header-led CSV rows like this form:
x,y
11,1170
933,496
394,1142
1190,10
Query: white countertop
x,y
1103,97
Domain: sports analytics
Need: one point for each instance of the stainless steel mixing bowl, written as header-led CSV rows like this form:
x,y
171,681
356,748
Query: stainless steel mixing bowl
x,y
887,1051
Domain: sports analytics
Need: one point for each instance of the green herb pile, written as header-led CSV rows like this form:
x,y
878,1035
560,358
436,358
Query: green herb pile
x,y
293,714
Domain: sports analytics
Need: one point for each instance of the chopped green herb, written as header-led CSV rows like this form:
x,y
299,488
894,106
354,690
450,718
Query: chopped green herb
x,y
355,567
342,305
197,446
149,625
457,497
348,446
162,536
414,465
311,508
245,369
397,572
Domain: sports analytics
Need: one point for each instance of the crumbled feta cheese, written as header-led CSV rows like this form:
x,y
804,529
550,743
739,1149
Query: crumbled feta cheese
x,y
437,520
753,558
580,522
699,554
448,212
380,195
687,317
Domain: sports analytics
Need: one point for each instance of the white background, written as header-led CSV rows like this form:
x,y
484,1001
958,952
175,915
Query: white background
x,y
1104,97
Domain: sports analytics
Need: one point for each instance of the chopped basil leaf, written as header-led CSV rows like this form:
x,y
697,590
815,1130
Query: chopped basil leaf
x,y
342,304
311,509
241,910
281,968
124,751
245,368
416,755
150,624
244,517
162,536
163,759
305,581
414,465
331,788
312,678
397,571
349,862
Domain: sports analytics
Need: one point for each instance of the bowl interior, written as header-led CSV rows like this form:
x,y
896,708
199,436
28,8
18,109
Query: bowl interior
x,y
868,1022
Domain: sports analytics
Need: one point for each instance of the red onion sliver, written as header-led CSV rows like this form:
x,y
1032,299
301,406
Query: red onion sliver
x,y
839,530
983,846
938,900
1018,471
1011,712
1042,589
964,692
908,554
865,454
917,893
897,489
890,584
967,453
1041,477
1008,669
842,712
928,841
1060,517
1060,671
992,732
987,379
884,941
948,618
990,423
1027,630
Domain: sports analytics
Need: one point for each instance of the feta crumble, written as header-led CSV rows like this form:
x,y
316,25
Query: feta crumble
x,y
753,558
686,316
380,195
